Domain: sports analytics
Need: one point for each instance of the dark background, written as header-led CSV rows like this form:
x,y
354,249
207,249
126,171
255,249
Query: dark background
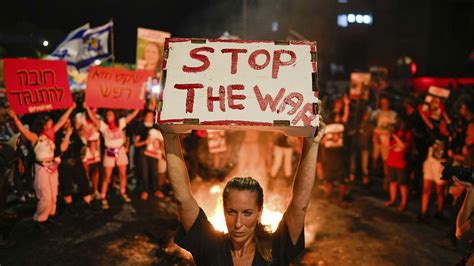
x,y
437,35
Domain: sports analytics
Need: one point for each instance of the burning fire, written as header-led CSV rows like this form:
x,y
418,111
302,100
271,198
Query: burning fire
x,y
270,216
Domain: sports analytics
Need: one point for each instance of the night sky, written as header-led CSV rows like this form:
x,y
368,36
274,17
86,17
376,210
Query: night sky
x,y
436,34
53,19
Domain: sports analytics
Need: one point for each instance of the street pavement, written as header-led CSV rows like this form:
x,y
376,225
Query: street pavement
x,y
361,232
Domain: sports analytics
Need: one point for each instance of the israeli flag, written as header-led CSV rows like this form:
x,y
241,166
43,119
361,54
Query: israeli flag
x,y
69,49
84,45
95,45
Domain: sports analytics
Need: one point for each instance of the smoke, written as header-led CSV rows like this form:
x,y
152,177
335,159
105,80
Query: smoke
x,y
248,19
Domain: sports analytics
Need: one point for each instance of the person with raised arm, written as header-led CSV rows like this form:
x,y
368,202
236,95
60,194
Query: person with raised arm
x,y
45,184
247,241
115,155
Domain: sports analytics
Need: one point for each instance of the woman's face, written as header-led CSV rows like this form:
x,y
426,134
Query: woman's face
x,y
151,55
241,215
435,103
110,116
48,124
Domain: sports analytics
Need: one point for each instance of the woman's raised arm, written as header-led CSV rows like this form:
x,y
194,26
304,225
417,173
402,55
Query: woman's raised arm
x,y
92,115
303,185
131,116
30,136
178,174
64,118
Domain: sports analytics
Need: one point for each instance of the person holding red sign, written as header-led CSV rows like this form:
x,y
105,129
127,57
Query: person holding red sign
x,y
247,243
42,139
115,155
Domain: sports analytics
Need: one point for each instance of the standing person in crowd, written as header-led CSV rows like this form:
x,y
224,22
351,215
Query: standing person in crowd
x,y
42,139
334,169
361,147
115,154
434,113
8,166
465,154
24,172
340,111
247,241
400,142
437,121
333,149
191,145
92,157
419,149
465,219
12,140
466,111
282,153
71,169
384,119
150,156
468,149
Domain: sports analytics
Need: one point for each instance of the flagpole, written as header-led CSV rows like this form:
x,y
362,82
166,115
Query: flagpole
x,y
112,43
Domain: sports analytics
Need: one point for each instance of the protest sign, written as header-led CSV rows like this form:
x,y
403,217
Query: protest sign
x,y
334,136
359,85
36,85
150,49
220,84
438,92
116,88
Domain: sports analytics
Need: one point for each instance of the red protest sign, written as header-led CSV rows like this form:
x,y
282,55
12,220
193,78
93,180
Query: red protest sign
x,y
218,84
116,88
36,85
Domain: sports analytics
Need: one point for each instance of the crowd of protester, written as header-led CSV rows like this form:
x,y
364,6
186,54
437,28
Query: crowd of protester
x,y
404,138
89,155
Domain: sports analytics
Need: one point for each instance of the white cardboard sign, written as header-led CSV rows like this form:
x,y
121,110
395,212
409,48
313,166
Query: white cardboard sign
x,y
220,84
438,91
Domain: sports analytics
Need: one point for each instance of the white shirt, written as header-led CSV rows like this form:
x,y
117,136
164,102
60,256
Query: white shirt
x,y
44,149
113,138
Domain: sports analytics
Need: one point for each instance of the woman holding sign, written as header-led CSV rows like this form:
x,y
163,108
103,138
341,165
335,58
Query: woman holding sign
x,y
247,243
42,139
115,155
